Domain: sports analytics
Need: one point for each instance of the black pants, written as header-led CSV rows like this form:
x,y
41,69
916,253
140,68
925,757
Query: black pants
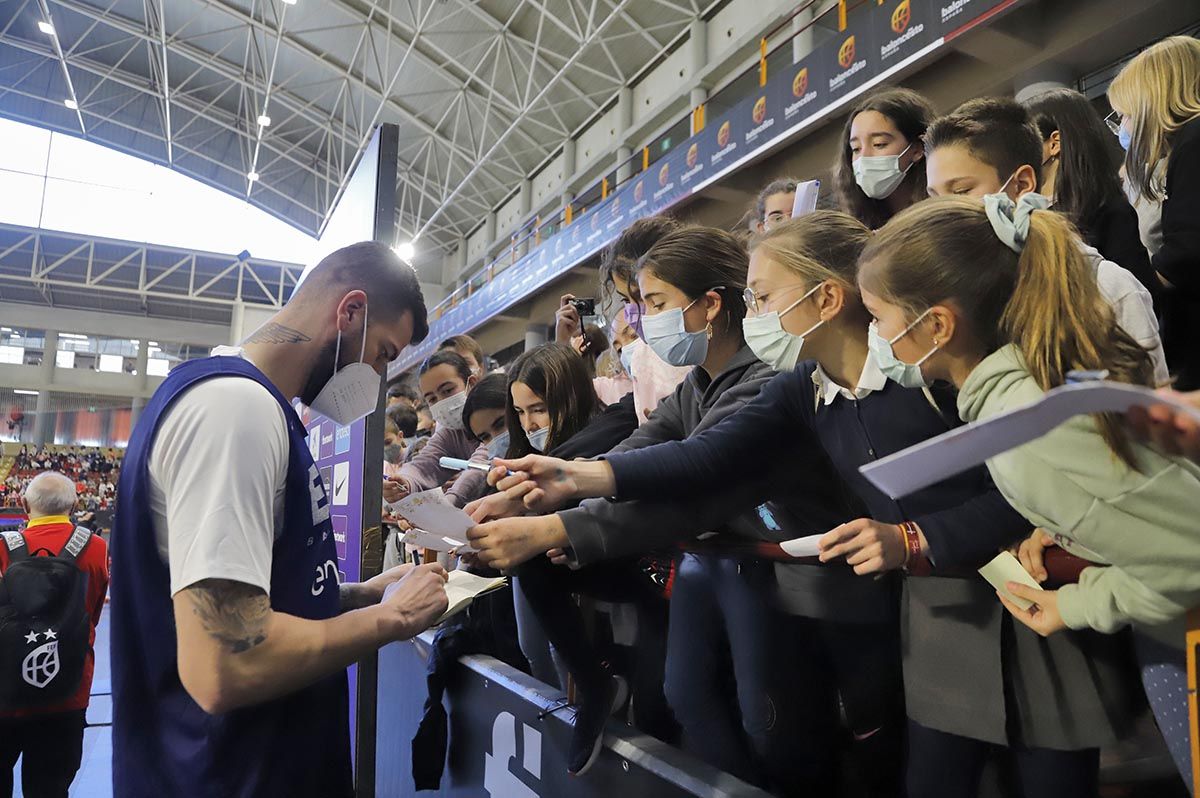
x,y
942,765
53,749
547,587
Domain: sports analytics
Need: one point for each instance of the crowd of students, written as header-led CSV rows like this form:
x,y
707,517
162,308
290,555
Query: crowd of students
x,y
976,259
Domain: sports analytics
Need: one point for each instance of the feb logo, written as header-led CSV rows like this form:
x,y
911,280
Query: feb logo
x,y
760,110
902,16
723,135
800,83
693,155
639,191
664,174
846,53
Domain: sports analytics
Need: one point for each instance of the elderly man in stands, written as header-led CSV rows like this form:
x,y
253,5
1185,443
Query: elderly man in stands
x,y
51,735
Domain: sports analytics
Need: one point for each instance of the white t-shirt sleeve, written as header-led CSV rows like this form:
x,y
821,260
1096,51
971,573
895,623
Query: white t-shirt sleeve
x,y
218,470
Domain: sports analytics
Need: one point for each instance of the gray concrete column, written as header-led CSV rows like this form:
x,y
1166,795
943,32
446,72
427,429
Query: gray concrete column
x,y
624,165
143,360
135,411
697,47
237,321
49,353
524,205
535,335
802,42
624,113
489,234
43,421
569,162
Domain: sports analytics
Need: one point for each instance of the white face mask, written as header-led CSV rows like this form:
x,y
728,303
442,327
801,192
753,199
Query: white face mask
x,y
498,445
879,175
772,344
537,439
907,374
353,391
669,338
448,412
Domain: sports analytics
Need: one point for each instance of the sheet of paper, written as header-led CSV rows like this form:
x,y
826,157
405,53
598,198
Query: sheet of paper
x,y
464,587
806,198
802,547
1007,568
431,511
933,460
431,540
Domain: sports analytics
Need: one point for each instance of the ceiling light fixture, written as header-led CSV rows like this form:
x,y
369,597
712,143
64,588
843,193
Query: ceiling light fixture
x,y
24,392
264,120
74,106
45,27
252,176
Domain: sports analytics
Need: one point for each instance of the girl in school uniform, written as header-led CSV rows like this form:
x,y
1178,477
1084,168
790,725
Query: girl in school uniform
x,y
973,680
997,300
1156,98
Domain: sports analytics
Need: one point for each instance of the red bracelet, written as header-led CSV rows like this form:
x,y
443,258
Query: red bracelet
x,y
915,563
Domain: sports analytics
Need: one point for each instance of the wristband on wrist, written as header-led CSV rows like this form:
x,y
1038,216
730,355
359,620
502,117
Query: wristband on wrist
x,y
915,562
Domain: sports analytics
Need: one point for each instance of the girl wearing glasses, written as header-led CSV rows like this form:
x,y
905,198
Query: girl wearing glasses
x,y
1156,107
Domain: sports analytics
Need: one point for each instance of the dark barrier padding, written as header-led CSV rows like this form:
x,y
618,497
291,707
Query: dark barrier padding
x,y
501,747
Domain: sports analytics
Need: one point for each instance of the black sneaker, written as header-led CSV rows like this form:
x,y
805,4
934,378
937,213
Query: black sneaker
x,y
594,712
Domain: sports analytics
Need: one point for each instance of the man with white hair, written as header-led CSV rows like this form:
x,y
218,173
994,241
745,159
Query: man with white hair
x,y
51,736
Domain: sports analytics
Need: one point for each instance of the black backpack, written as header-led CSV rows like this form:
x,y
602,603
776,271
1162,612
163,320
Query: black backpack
x,y
44,623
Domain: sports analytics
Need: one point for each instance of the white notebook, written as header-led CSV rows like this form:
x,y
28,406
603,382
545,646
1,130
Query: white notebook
x,y
463,587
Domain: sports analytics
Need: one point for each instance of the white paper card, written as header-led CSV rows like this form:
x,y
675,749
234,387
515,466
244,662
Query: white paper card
x,y
806,198
802,547
953,452
431,540
1006,568
430,511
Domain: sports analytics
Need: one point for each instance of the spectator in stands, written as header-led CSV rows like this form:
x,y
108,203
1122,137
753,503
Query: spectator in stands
x,y
1009,315
592,345
445,381
1157,98
403,394
393,447
1080,173
425,422
484,414
881,168
406,421
989,146
774,204
50,738
618,275
469,349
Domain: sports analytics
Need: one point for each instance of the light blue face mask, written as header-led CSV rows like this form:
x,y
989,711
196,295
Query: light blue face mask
x,y
907,374
498,445
1124,137
627,358
668,337
537,439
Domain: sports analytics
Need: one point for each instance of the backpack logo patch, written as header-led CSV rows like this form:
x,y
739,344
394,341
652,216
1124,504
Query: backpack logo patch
x,y
41,665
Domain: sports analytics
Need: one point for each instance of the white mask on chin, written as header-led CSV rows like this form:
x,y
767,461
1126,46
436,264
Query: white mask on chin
x,y
353,391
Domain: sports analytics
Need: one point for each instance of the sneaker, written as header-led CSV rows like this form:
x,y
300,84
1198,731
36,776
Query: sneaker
x,y
594,712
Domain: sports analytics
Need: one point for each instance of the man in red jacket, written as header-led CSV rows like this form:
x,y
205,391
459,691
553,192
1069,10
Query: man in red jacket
x,y
51,737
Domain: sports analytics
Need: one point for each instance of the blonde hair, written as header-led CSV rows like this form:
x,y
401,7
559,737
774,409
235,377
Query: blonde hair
x,y
819,246
1159,91
1046,301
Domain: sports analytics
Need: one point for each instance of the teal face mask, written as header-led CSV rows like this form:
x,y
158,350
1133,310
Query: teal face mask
x,y
907,374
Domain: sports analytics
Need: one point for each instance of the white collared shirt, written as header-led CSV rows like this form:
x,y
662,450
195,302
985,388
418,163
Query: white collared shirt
x,y
871,379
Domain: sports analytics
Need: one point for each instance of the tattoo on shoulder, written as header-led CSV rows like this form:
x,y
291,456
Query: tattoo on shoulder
x,y
275,333
233,613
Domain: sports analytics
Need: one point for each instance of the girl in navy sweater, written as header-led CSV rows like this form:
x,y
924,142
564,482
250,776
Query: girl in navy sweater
x,y
973,680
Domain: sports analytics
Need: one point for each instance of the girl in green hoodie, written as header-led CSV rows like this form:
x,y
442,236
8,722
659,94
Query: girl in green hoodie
x,y
998,300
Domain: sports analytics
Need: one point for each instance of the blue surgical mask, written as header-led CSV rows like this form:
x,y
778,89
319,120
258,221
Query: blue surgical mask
x,y
669,338
907,374
770,343
498,445
537,438
627,358
1124,137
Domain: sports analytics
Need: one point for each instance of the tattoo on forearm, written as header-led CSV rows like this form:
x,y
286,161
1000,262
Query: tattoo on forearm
x,y
233,613
275,333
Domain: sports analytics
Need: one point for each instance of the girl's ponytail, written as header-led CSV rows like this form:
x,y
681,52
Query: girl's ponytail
x,y
1060,321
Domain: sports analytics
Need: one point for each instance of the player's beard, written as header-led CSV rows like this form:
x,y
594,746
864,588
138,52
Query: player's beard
x,y
322,371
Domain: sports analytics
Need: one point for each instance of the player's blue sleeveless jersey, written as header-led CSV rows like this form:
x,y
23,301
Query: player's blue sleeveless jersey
x,y
164,744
